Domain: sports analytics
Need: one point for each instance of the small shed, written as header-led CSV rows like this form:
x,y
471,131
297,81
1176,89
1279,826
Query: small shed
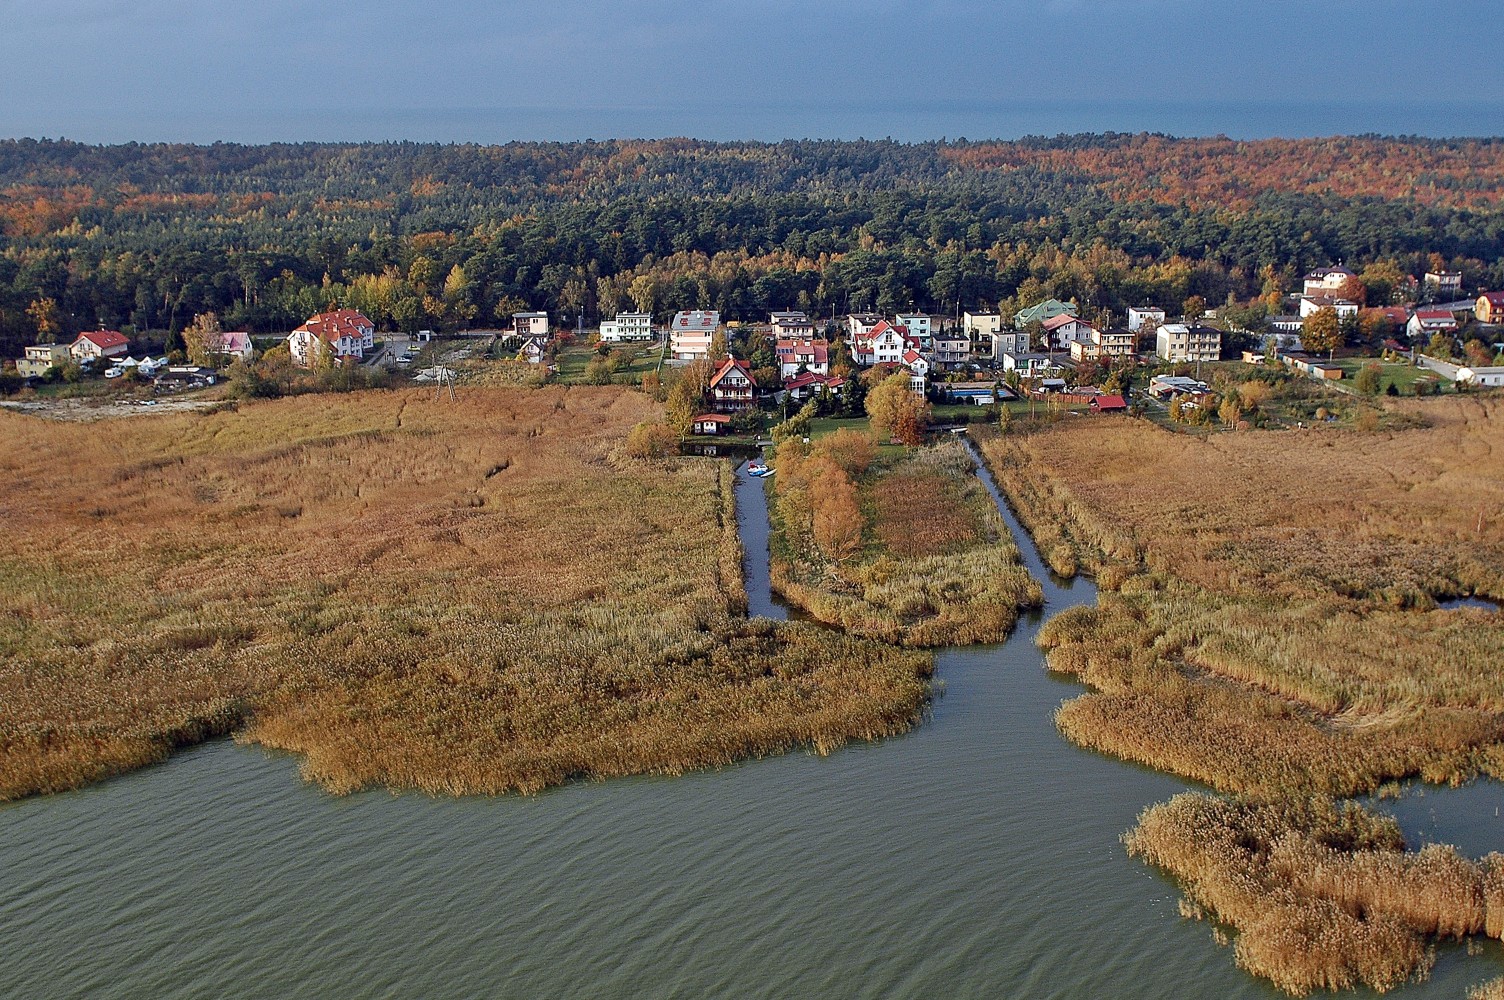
x,y
1108,404
711,424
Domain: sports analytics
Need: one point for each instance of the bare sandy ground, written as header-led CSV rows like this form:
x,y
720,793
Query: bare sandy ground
x,y
103,409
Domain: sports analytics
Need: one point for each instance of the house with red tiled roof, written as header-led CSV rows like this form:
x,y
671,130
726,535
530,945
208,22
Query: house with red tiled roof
x,y
344,335
731,387
1490,308
1108,404
811,354
1426,322
95,344
710,423
882,343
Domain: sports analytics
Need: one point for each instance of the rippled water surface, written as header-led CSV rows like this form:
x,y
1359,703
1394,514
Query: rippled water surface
x,y
977,856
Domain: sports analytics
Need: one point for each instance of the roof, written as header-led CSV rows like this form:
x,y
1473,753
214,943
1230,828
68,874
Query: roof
x,y
103,339
1146,309
1109,403
702,320
525,315
1056,322
1322,272
716,418
815,378
331,326
1041,311
233,341
1494,298
910,356
728,366
1435,316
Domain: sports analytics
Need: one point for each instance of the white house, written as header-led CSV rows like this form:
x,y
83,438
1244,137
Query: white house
x,y
1448,284
1492,375
1029,365
533,350
232,344
627,326
95,344
1310,304
1105,344
813,355
344,333
1426,322
882,343
791,324
1065,330
1141,316
691,332
861,324
1177,342
1325,280
916,363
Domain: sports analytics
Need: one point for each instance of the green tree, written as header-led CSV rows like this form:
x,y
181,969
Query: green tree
x,y
1368,380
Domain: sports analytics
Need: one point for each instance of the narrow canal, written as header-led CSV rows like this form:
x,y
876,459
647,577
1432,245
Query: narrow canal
x,y
976,856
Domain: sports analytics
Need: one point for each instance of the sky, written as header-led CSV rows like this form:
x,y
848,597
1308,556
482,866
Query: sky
x,y
469,70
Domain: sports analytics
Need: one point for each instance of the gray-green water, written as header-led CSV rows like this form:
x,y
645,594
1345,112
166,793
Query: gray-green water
x,y
977,856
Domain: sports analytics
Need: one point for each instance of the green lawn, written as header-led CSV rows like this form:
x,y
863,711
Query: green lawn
x,y
573,359
1399,374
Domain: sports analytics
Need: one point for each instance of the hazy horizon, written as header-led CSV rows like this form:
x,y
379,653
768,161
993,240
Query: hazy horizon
x,y
1244,120
288,70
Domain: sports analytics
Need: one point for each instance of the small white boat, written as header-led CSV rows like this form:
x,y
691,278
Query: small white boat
x,y
760,470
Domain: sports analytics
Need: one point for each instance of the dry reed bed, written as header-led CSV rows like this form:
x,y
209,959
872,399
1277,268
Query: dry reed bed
x,y
456,597
1267,626
934,566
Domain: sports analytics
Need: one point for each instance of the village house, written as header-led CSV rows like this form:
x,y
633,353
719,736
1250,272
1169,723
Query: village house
x,y
1111,344
981,325
1177,342
1065,330
1108,404
916,363
1141,316
1326,280
1312,304
533,350
1042,311
861,324
344,335
1426,322
951,350
809,384
230,345
627,326
732,388
711,424
1030,365
691,332
1009,342
792,325
95,344
811,355
919,326
1490,376
1490,308
530,324
1446,284
1171,386
882,343
40,357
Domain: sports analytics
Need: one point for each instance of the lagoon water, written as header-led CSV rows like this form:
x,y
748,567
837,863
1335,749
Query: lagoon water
x,y
977,856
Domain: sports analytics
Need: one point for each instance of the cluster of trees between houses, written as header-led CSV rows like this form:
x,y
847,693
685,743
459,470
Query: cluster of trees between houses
x,y
144,237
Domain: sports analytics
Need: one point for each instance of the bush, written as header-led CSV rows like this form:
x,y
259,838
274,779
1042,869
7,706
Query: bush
x,y
652,439
1368,380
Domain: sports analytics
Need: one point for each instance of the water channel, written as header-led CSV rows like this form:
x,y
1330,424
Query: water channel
x,y
977,856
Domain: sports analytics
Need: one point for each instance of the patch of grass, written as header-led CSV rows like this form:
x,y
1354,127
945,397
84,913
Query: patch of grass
x,y
935,565
460,597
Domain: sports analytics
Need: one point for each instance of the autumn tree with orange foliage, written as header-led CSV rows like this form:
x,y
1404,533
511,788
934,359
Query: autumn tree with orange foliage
x,y
896,411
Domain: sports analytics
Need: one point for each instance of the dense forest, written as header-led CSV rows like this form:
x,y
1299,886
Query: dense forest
x,y
143,237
